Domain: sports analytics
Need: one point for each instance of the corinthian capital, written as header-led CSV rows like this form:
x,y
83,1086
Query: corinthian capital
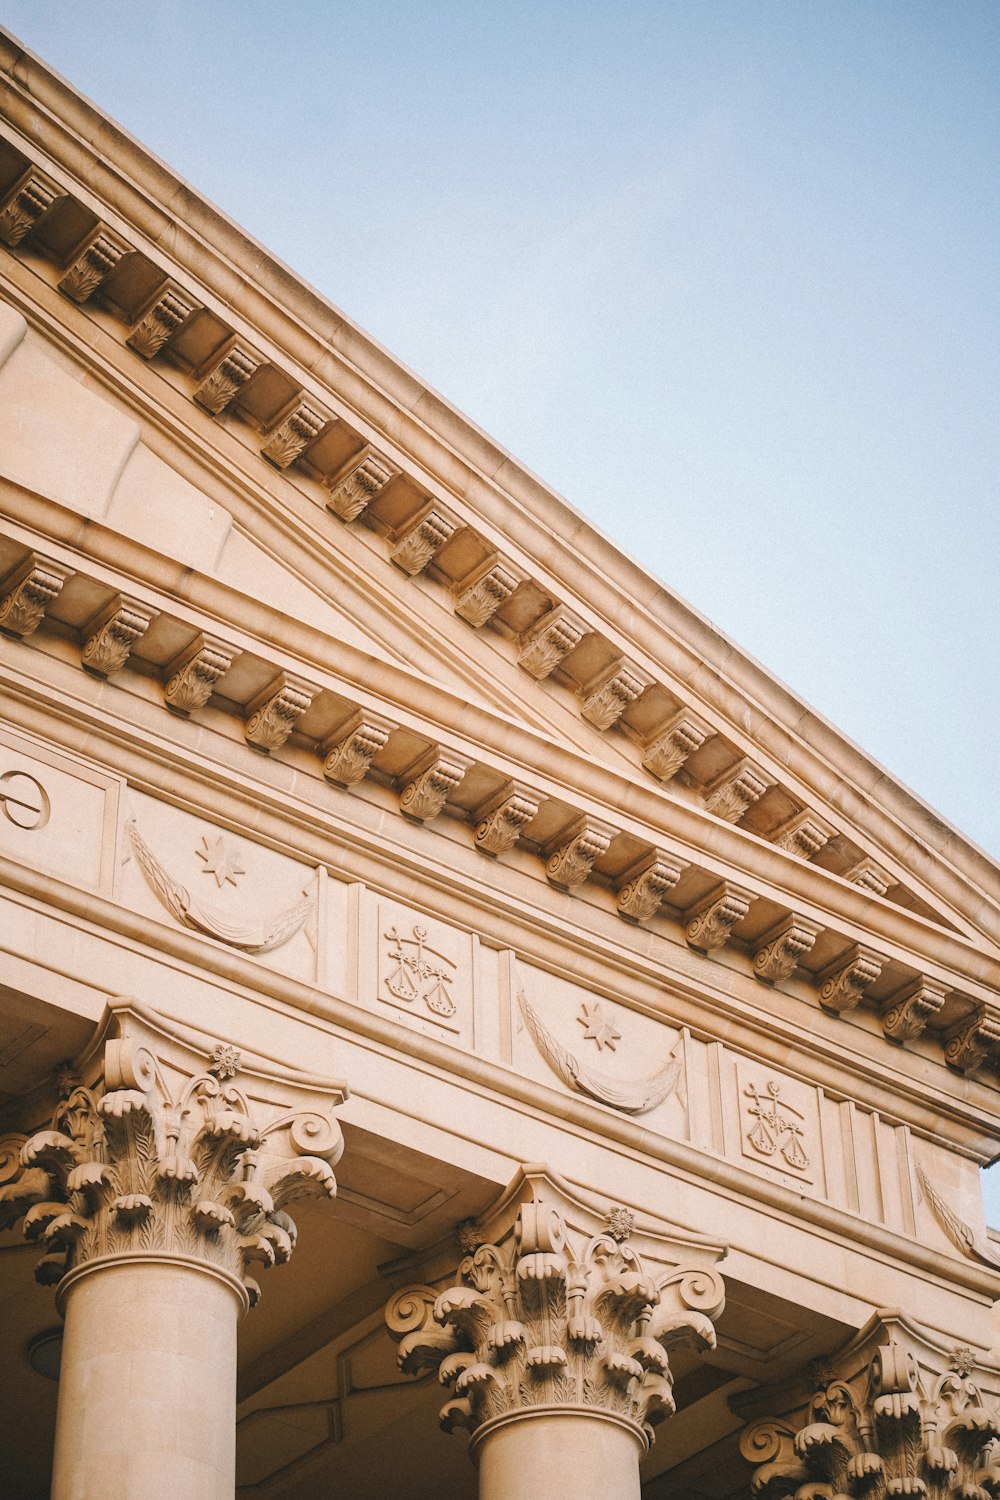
x,y
568,1307
165,1144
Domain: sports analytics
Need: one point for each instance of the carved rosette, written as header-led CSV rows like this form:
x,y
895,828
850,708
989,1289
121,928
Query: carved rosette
x,y
667,751
906,1013
644,890
22,212
500,826
165,318
893,1424
109,638
141,1161
429,785
422,542
354,492
711,922
191,677
274,714
349,754
542,648
545,1318
27,593
733,793
845,981
779,952
97,262
478,602
291,438
604,702
572,858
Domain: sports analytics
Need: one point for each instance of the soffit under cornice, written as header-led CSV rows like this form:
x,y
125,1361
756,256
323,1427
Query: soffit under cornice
x,y
383,401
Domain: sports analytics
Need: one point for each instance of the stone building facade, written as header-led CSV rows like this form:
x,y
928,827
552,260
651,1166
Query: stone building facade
x,y
418,921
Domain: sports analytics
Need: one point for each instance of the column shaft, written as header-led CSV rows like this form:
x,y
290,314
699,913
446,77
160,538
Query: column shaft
x,y
563,1455
147,1390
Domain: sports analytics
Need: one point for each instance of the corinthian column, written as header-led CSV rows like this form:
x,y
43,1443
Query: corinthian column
x,y
555,1340
895,1412
161,1184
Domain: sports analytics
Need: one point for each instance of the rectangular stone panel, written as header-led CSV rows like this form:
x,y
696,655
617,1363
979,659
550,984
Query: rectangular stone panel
x,y
57,814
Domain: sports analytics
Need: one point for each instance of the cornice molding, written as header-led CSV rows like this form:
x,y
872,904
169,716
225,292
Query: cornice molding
x,y
455,455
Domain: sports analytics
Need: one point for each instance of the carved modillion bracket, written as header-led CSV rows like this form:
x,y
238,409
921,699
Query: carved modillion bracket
x,y
554,636
501,819
777,953
423,541
349,752
93,266
905,1014
27,592
34,196
732,794
843,983
429,783
973,1041
221,387
709,923
870,877
353,490
645,886
605,698
292,436
570,857
192,676
167,316
273,714
668,749
478,598
111,634
805,835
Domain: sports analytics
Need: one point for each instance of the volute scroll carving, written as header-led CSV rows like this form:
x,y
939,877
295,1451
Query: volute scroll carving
x,y
162,1152
546,1314
891,1415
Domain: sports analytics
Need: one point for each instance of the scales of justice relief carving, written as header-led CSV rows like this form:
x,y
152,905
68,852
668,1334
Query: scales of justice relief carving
x,y
605,1085
776,1130
222,861
419,977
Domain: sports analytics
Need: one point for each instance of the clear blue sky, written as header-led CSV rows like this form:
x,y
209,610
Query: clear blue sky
x,y
727,275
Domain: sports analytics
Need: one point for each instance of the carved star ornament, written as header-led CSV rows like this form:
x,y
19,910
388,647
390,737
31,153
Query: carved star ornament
x,y
597,1026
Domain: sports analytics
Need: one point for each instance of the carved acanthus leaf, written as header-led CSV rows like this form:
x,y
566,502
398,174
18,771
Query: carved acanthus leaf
x,y
777,956
348,754
733,793
139,1158
224,383
25,207
423,541
192,676
93,266
543,1316
906,1013
111,635
542,648
353,492
605,700
670,747
27,592
428,785
571,857
291,437
709,924
501,820
164,319
882,1422
478,601
973,1041
646,886
843,982
274,713
805,835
